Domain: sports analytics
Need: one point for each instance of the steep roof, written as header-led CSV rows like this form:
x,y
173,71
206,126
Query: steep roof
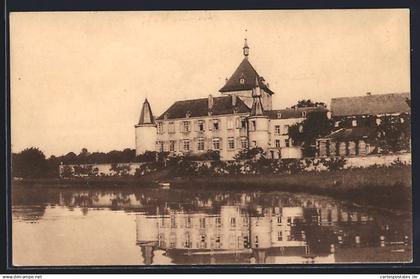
x,y
246,71
292,113
146,115
370,104
199,107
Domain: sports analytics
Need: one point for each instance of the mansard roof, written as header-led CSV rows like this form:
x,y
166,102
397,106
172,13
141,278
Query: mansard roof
x,y
371,104
146,115
292,113
199,107
246,71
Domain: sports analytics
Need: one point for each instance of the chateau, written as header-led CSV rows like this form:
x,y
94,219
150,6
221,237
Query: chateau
x,y
241,117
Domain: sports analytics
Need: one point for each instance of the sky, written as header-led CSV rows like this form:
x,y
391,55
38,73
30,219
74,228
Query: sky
x,y
78,79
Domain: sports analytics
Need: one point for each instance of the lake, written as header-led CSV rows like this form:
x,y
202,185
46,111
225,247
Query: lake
x,y
70,226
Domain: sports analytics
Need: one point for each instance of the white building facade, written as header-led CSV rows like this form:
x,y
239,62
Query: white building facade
x,y
242,117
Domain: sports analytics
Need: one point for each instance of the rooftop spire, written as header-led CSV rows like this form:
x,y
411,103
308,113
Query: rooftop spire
x,y
246,48
146,115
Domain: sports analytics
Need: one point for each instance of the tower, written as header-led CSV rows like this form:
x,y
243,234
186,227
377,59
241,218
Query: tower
x,y
145,130
258,122
242,83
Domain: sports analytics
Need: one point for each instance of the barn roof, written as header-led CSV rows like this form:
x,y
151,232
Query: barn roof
x,y
370,104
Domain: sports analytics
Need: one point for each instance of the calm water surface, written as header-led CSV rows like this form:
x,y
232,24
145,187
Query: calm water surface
x,y
164,227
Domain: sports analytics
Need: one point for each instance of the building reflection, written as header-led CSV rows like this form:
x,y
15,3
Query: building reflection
x,y
181,227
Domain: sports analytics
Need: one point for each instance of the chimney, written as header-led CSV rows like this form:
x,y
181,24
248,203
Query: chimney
x,y
210,102
368,93
233,100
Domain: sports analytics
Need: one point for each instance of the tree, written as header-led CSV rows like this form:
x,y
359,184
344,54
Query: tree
x,y
30,163
308,104
305,133
120,170
394,133
249,154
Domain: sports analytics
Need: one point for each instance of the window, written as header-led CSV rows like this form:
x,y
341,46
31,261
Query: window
x,y
171,145
187,243
216,125
253,125
216,144
188,222
378,121
287,142
277,143
160,127
280,236
277,129
172,240
402,120
233,222
218,222
202,223
279,115
200,144
160,146
244,143
186,126
285,129
230,123
171,127
186,145
337,124
243,123
173,221
354,123
231,143
303,113
200,125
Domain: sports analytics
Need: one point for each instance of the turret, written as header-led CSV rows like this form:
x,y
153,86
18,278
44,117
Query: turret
x,y
145,130
258,122
146,236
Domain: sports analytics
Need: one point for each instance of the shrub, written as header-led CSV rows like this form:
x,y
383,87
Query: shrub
x,y
336,163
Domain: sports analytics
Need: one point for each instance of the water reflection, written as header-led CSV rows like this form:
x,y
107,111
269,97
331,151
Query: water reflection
x,y
186,227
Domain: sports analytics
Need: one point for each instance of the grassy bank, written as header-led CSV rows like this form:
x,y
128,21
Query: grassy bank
x,y
387,187
379,187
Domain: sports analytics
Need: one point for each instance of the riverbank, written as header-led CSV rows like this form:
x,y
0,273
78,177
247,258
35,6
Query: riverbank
x,y
386,187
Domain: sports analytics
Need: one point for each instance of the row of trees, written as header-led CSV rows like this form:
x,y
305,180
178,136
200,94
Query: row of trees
x,y
32,162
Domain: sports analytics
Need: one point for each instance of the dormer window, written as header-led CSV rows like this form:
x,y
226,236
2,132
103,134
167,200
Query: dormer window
x,y
303,113
242,80
188,114
279,115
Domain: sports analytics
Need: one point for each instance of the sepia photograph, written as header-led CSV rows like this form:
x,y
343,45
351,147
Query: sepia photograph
x,y
223,137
